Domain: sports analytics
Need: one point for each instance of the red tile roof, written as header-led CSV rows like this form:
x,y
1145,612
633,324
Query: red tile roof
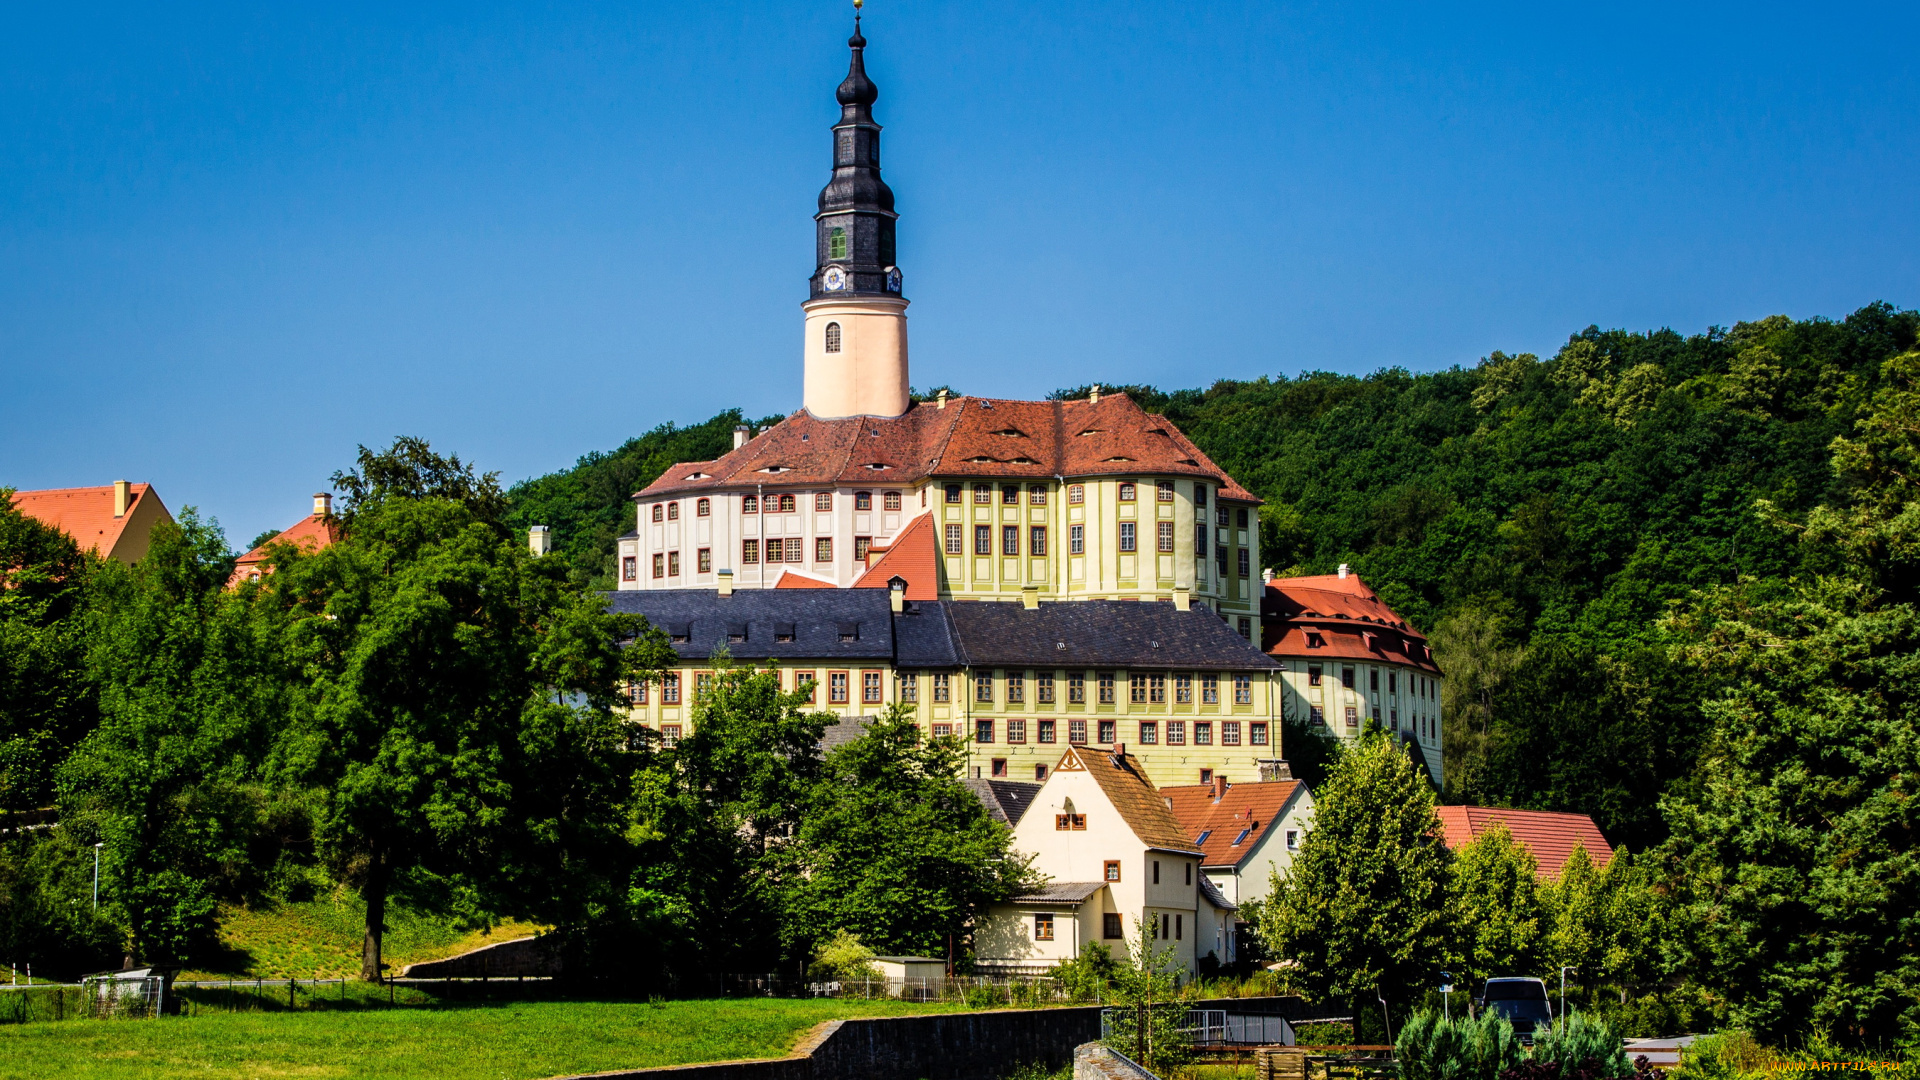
x,y
969,438
1126,785
1248,808
1550,836
86,513
793,579
1335,617
311,532
911,555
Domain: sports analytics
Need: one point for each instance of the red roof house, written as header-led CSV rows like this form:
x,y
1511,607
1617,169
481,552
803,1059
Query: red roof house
x,y
1245,830
312,532
113,521
1550,836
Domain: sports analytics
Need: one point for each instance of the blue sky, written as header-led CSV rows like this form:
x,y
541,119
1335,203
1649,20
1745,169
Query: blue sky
x,y
236,242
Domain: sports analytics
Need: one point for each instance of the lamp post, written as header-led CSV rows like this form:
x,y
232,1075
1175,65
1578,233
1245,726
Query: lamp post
x,y
1446,994
1563,996
96,874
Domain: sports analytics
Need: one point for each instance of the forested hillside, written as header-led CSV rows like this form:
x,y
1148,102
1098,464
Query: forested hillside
x,y
1538,517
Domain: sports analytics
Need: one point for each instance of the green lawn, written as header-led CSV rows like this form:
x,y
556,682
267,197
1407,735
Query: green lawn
x,y
321,939
509,1041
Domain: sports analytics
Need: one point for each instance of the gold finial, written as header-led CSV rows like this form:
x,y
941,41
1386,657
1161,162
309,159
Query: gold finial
x,y
857,4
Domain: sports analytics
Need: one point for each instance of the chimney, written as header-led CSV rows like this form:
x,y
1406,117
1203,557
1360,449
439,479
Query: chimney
x,y
741,433
1093,396
1266,576
122,494
1219,787
940,400
1344,571
1119,750
1182,598
897,594
1030,597
322,504
726,582
539,540
1272,769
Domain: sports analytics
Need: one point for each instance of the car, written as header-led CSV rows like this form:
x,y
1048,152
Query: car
x,y
1522,1001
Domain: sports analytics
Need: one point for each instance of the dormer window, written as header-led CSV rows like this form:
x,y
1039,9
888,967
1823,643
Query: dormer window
x,y
1016,432
833,333
836,243
849,631
783,633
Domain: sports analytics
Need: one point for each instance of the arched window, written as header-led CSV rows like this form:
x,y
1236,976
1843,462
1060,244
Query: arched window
x,y
836,243
833,337
703,508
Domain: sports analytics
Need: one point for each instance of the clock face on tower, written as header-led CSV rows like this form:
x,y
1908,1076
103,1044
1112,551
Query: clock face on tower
x,y
834,280
893,279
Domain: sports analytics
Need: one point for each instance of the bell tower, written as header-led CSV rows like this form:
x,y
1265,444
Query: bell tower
x,y
856,351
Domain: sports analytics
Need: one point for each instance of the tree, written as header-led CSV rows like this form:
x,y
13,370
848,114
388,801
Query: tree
x,y
454,691
1496,907
46,702
1364,907
894,849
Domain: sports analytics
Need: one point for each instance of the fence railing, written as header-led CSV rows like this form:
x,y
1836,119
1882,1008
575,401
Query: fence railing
x,y
1200,1027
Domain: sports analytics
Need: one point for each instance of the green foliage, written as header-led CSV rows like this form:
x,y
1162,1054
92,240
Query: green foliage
x,y
46,702
842,958
1363,908
1496,908
1609,925
1431,1047
1146,1019
1087,976
1582,1045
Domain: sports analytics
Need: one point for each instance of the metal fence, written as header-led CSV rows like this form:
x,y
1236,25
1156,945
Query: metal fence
x,y
979,991
1204,1027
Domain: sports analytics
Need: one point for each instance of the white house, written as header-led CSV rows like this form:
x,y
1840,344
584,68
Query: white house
x,y
1118,861
1246,831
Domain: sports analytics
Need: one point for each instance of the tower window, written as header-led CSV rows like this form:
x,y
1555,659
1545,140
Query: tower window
x,y
833,336
836,243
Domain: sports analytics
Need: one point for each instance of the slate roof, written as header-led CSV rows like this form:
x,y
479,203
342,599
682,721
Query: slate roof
x,y
923,638
969,438
1214,896
1250,808
1062,892
1124,781
1331,617
1143,634
1550,836
1006,800
86,513
818,619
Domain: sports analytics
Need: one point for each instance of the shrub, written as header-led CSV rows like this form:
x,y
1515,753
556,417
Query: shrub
x,y
843,959
1587,1049
1089,974
1433,1048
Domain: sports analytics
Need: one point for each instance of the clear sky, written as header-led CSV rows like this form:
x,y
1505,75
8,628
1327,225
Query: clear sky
x,y
235,243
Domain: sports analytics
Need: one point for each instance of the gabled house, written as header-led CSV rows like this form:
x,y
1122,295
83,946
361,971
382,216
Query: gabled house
x,y
1244,831
1549,835
1119,865
312,532
114,521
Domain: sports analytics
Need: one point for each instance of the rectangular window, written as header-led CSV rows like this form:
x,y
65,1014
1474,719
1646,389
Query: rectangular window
x,y
1111,871
910,689
1010,540
1176,733
1036,494
702,685
942,687
1220,560
1156,871
1126,491
804,683
1037,540
669,735
793,549
1110,927
1203,733
670,688
630,568
1109,732
953,493
1136,688
1183,689
659,512
703,508
704,559
1106,688
1149,732
1246,563
1043,731
999,768
775,551
1240,517
862,547
1166,536
1043,926
1178,927
1077,732
983,689
637,691
1163,491
673,564
1076,494
659,566
953,540
983,494
750,504
870,688
1076,539
1199,496
1127,542
1393,683
1220,514
837,687
1016,731
1376,714
863,500
1313,674
1010,494
1016,688
1316,716
983,731
1076,688
1257,733
823,549
890,501
1293,840
1373,680
1346,677
1229,733
983,539
1243,689
1209,689
822,501
943,731
1245,626
673,511
750,552
1200,543
1043,688
1157,689
1353,717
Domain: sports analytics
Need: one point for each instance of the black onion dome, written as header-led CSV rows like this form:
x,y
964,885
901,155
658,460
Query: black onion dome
x,y
854,234
857,89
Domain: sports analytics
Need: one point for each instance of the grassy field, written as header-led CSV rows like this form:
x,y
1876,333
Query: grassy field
x,y
509,1041
320,939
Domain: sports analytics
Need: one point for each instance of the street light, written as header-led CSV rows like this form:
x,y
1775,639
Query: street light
x,y
96,875
1563,996
1446,993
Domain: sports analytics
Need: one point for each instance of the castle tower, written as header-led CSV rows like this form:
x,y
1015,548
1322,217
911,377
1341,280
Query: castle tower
x,y
856,353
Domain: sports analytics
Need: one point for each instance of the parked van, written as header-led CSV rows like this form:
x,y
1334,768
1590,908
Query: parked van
x,y
1522,1001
